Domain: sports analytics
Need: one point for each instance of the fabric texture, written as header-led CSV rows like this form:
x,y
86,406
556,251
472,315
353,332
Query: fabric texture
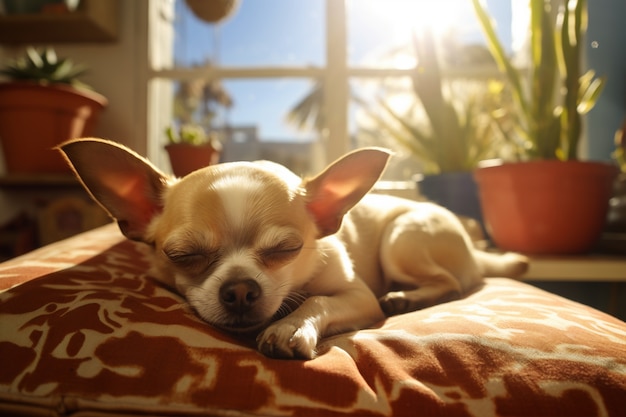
x,y
84,329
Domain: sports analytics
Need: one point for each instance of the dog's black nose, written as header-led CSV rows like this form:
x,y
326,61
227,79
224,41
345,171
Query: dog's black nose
x,y
239,295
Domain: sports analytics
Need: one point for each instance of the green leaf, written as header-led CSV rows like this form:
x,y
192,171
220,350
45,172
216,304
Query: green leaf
x,y
34,59
549,111
591,95
499,54
50,56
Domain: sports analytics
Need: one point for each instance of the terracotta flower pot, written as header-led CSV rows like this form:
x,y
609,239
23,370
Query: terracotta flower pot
x,y
35,118
546,207
186,158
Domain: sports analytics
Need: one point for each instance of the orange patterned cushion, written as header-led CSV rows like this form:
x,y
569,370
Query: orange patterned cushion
x,y
90,331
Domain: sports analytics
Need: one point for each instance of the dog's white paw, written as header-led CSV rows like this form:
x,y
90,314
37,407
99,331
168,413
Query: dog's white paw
x,y
285,339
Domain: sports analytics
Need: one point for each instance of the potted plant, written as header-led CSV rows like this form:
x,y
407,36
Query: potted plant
x,y
190,148
43,105
552,203
448,131
192,142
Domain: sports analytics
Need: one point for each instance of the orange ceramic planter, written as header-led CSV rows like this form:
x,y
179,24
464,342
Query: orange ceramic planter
x,y
35,118
546,207
186,158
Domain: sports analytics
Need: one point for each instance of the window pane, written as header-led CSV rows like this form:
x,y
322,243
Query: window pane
x,y
265,104
378,28
387,112
260,33
250,116
367,118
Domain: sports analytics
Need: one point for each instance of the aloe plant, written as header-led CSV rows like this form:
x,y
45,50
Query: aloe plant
x,y
44,67
455,135
552,98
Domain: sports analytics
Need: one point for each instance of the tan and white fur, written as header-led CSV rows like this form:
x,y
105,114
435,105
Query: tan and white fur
x,y
244,242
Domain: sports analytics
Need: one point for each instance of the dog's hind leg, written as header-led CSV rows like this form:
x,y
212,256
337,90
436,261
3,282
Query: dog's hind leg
x,y
426,260
437,288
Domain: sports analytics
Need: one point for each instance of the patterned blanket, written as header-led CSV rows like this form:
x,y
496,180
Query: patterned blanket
x,y
84,329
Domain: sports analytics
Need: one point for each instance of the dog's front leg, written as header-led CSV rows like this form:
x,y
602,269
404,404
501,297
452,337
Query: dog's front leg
x,y
297,335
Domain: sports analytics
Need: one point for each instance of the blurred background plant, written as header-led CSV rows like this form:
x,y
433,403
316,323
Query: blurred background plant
x,y
619,154
448,125
307,113
45,67
192,134
197,103
553,93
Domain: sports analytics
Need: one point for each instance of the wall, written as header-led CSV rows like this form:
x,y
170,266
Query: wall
x,y
606,40
118,70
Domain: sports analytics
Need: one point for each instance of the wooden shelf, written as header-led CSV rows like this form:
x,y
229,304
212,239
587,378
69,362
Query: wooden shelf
x,y
38,180
589,268
93,21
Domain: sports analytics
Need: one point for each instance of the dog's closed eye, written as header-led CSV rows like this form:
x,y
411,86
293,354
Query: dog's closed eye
x,y
193,261
281,252
277,245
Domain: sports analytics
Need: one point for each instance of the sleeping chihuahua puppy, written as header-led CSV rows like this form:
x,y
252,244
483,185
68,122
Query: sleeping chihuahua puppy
x,y
243,242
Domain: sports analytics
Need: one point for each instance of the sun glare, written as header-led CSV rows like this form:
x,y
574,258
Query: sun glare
x,y
401,19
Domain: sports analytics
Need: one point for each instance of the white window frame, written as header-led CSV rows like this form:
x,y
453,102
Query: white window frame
x,y
336,75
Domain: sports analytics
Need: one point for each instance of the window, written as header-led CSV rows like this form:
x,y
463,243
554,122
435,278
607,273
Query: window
x,y
328,59
259,34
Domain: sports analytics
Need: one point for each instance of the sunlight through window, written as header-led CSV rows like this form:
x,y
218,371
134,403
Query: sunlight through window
x,y
378,28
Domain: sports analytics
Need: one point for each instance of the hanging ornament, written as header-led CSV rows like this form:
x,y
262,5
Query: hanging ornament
x,y
213,11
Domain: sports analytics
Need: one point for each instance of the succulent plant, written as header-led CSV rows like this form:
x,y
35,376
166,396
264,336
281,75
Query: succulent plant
x,y
44,67
191,134
454,132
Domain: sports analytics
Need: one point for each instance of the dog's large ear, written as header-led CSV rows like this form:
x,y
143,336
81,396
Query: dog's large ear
x,y
341,185
126,185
